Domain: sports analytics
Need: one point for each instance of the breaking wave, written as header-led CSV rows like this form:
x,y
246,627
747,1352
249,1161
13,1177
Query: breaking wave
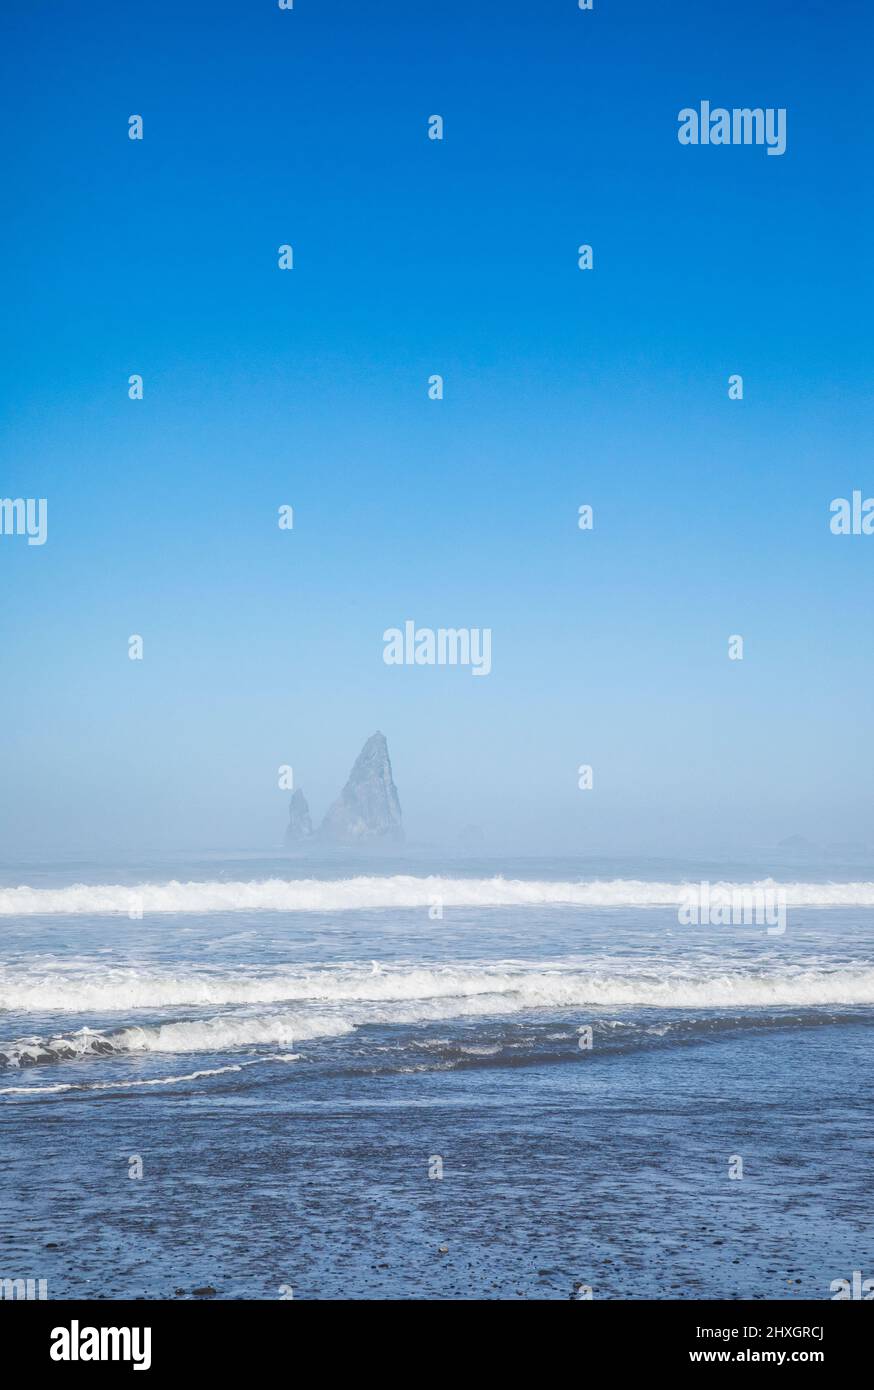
x,y
400,891
187,1036
454,988
327,1005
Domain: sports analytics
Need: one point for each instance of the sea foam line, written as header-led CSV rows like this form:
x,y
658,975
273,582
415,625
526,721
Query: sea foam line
x,y
429,987
476,994
400,891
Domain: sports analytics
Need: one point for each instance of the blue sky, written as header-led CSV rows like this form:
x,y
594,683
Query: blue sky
x,y
562,387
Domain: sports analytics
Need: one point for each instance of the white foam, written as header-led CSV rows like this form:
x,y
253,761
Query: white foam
x,y
121,1085
400,891
519,985
420,995
200,1036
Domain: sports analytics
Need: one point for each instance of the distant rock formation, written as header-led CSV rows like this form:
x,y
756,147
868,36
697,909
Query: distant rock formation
x,y
797,844
367,810
300,827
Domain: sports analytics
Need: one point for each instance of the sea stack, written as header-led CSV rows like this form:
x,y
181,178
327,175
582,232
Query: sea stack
x,y
300,827
367,811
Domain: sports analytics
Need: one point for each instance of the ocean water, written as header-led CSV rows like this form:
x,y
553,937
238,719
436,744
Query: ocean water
x,y
292,1052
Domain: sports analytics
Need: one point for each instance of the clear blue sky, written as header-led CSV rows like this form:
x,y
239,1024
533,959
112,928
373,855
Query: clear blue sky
x,y
309,387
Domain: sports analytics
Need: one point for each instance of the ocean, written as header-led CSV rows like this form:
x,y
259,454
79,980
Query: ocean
x,y
424,1077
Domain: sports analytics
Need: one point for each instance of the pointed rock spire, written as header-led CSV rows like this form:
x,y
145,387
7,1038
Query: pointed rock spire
x,y
368,808
300,827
